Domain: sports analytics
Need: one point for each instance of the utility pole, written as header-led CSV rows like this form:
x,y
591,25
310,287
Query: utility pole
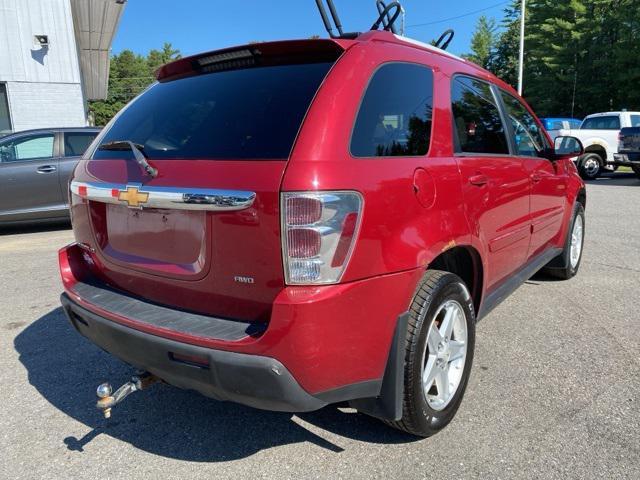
x,y
521,62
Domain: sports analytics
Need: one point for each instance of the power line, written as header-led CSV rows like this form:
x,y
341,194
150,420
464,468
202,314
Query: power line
x,y
459,16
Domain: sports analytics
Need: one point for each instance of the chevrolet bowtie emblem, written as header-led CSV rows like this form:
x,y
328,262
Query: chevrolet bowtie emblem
x,y
134,197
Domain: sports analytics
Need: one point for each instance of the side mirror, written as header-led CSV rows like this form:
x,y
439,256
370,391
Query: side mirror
x,y
567,147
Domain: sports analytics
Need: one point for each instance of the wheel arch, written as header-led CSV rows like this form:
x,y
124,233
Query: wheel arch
x,y
466,262
598,149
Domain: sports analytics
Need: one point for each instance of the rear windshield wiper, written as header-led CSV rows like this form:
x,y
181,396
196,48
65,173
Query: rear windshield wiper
x,y
137,150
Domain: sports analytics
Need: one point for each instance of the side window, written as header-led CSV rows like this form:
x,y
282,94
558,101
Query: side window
x,y
527,135
635,120
76,143
477,118
396,113
5,117
29,148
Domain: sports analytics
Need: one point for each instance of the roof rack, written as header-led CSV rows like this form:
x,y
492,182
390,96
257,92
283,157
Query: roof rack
x,y
388,15
387,18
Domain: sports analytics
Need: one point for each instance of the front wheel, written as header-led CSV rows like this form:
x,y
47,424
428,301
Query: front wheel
x,y
438,353
590,166
569,260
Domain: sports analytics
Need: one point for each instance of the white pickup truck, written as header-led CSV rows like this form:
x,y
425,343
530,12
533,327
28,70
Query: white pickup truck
x,y
599,133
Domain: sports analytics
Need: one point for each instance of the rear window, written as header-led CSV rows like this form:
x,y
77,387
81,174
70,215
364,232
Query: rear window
x,y
635,120
611,122
239,114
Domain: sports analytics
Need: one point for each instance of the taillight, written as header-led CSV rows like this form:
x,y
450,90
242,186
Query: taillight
x,y
318,232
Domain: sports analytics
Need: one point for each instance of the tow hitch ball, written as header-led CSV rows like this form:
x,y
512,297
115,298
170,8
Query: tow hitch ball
x,y
106,401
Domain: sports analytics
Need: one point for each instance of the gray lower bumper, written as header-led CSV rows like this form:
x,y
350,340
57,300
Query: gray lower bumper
x,y
252,380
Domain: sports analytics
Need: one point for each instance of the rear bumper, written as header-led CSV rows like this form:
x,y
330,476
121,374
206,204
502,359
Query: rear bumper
x,y
627,159
321,345
253,380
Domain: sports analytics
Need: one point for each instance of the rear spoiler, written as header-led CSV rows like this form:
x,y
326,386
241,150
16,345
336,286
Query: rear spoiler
x,y
253,55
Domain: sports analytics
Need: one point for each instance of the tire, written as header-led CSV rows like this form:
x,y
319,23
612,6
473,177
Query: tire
x,y
636,170
424,413
590,166
566,266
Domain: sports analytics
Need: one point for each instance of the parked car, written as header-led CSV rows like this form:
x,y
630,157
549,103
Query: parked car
x,y
293,224
629,149
599,135
554,125
35,167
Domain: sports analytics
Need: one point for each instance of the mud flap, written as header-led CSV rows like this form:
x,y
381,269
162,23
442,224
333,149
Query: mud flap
x,y
388,405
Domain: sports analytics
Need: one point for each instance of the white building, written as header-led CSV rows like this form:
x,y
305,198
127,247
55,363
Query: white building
x,y
54,57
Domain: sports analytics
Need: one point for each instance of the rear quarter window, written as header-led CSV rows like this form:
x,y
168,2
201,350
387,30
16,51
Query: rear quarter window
x,y
396,113
253,113
76,143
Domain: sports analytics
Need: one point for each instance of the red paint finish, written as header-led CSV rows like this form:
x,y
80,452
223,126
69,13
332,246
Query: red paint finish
x,y
314,331
190,259
505,208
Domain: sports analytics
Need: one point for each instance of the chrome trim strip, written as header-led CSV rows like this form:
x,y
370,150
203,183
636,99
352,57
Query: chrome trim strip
x,y
167,197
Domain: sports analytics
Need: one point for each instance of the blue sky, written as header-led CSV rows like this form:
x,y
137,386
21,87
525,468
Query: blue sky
x,y
199,25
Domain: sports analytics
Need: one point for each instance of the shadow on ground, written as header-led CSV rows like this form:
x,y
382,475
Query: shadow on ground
x,y
65,368
617,179
51,226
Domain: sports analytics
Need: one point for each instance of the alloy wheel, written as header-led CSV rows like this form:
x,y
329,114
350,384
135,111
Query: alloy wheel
x,y
576,241
445,355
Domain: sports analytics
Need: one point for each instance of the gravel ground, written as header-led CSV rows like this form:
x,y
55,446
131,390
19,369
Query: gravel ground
x,y
554,391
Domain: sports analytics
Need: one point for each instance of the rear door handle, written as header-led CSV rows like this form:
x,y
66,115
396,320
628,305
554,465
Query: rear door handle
x,y
46,169
478,180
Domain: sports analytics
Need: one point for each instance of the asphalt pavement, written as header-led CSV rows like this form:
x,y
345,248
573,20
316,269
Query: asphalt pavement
x,y
554,390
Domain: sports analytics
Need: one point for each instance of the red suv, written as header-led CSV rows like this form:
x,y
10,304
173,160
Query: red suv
x,y
293,224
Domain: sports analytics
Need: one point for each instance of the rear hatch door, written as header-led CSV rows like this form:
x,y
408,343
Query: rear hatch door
x,y
204,234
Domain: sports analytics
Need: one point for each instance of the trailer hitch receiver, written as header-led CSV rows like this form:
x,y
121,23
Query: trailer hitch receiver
x,y
106,401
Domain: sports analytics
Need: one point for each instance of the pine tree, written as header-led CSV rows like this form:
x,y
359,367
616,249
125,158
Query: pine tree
x,y
483,42
581,56
129,75
504,62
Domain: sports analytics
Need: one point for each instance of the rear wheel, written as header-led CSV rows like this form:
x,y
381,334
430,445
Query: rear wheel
x,y
439,353
590,166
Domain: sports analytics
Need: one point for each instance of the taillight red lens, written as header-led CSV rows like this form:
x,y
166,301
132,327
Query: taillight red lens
x,y
303,243
303,210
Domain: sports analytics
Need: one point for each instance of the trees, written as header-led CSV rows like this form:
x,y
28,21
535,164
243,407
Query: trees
x,y
580,55
483,42
129,75
504,61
